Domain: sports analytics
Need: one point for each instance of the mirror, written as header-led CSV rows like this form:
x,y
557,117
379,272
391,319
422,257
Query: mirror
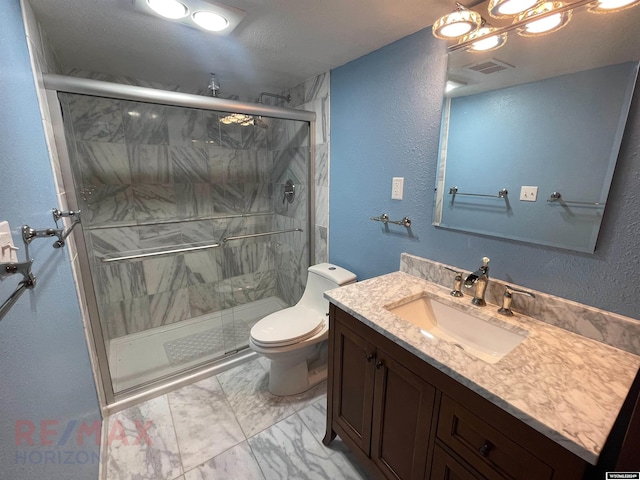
x,y
547,112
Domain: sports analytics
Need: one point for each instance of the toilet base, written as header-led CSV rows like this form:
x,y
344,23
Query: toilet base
x,y
290,374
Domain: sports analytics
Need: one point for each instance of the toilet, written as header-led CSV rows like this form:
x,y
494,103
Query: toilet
x,y
294,339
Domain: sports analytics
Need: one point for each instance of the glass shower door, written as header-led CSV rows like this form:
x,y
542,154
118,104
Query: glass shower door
x,y
175,203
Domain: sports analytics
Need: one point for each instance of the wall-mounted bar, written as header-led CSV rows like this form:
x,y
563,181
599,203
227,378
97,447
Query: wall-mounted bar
x,y
384,218
29,281
501,194
159,253
182,220
557,197
28,233
253,235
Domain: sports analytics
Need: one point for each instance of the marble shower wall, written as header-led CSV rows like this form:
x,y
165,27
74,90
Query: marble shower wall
x,y
289,142
293,162
152,177
314,95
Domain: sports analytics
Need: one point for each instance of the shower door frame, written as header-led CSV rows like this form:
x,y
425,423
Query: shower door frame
x,y
111,401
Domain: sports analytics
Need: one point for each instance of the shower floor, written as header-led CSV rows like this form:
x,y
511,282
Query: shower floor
x,y
144,356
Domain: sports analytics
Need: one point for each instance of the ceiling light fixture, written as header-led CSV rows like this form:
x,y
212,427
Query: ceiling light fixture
x,y
172,9
456,24
507,8
550,22
452,85
237,119
208,15
210,21
608,6
485,41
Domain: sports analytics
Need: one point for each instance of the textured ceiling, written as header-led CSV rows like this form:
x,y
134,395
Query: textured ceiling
x,y
277,45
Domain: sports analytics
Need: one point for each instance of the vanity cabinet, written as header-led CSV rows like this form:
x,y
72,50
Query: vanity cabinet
x,y
381,406
404,419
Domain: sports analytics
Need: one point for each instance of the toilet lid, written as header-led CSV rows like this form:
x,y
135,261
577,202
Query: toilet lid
x,y
287,326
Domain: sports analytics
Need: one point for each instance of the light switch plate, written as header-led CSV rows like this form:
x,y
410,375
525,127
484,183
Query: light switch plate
x,y
397,188
528,194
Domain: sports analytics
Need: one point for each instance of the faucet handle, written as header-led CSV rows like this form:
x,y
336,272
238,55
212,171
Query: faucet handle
x,y
457,282
506,299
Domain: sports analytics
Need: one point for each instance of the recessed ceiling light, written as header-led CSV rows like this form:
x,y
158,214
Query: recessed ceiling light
x,y
210,21
169,8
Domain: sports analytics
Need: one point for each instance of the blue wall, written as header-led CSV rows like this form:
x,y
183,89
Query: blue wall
x,y
385,121
45,374
540,133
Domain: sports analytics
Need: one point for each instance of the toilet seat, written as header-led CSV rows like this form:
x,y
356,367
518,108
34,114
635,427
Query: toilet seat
x,y
287,327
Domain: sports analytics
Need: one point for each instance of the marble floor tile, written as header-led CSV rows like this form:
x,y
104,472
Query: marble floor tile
x,y
204,422
304,399
255,408
314,417
142,443
288,449
237,462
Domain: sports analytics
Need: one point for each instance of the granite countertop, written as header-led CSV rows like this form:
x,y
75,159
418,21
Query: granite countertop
x,y
568,387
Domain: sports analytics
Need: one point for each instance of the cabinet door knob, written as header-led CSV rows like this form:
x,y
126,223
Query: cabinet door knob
x,y
371,356
380,364
484,449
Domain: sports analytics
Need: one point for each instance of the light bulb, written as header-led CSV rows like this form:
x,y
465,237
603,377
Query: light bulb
x,y
168,8
544,24
210,21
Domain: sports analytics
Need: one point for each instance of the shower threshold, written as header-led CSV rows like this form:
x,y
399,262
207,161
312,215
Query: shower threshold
x,y
144,356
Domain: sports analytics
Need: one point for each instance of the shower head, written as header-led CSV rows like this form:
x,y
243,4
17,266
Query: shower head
x,y
286,98
214,85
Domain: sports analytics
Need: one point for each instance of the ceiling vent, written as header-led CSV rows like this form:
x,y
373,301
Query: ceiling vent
x,y
489,66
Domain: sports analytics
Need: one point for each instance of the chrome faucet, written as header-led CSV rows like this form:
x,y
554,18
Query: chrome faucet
x,y
479,278
506,299
457,282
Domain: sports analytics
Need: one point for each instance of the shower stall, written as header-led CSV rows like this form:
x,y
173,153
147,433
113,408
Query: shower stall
x,y
196,215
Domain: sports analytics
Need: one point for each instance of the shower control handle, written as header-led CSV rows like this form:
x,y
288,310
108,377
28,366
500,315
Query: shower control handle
x,y
289,192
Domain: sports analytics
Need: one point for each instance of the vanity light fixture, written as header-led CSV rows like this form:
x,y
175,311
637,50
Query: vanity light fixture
x,y
550,22
172,9
508,8
210,21
456,24
484,40
609,6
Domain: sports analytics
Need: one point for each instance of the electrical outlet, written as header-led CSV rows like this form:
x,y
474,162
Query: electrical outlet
x,y
528,194
397,188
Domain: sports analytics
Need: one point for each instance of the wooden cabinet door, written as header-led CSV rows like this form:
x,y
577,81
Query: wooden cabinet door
x,y
402,411
353,360
445,467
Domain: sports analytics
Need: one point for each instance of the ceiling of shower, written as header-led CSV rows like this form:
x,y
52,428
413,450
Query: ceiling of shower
x,y
277,45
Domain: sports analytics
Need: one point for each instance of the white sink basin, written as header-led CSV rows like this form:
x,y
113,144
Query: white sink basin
x,y
485,340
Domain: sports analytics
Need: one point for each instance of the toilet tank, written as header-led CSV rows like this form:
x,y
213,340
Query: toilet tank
x,y
323,277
